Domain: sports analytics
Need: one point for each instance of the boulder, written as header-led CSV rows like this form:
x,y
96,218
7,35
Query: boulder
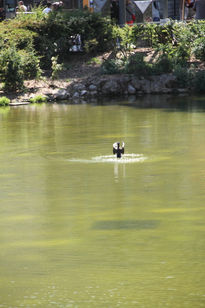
x,y
61,94
145,86
79,87
76,95
136,83
182,90
92,87
131,89
169,80
111,87
83,93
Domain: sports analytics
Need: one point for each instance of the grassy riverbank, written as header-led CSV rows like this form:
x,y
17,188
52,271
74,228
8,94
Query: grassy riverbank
x,y
36,50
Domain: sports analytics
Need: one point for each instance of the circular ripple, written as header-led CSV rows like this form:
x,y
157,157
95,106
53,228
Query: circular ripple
x,y
125,159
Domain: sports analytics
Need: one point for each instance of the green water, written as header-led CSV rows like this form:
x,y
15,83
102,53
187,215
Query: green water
x,y
79,228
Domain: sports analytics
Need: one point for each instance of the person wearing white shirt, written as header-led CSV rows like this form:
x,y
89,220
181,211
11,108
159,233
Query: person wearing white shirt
x,y
22,7
48,8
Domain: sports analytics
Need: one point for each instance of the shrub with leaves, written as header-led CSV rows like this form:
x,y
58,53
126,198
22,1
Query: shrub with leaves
x,y
164,64
95,30
4,101
55,34
20,38
149,34
38,99
136,65
198,48
184,76
94,61
30,64
11,69
56,67
112,66
122,40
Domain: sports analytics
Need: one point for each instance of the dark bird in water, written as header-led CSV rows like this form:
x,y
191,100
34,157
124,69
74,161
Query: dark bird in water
x,y
118,150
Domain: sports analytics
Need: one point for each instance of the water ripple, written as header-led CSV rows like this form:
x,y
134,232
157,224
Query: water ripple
x,y
125,159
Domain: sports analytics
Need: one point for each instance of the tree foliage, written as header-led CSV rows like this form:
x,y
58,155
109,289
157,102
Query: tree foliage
x,y
29,42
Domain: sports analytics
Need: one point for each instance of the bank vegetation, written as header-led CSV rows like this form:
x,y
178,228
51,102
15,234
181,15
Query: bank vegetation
x,y
36,45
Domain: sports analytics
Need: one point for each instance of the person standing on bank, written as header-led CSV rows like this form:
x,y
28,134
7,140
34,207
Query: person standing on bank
x,y
199,7
48,8
130,13
22,7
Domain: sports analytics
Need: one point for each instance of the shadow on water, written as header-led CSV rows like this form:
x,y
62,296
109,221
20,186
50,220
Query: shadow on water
x,y
168,103
125,224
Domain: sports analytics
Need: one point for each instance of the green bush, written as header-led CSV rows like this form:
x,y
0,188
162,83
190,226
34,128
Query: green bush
x,y
149,34
30,41
136,65
136,33
164,64
184,76
163,34
199,48
55,33
4,101
123,40
56,67
38,99
36,16
30,64
94,61
181,55
197,39
16,66
11,69
18,37
112,66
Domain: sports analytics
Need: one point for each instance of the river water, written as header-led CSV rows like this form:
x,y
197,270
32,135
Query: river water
x,y
81,228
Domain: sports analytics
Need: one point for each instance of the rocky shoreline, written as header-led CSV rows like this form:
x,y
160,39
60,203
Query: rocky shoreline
x,y
96,87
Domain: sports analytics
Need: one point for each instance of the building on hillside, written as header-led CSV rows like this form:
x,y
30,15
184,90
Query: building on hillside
x,y
173,9
168,8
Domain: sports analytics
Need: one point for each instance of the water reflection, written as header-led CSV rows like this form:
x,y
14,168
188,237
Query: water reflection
x,y
167,102
116,171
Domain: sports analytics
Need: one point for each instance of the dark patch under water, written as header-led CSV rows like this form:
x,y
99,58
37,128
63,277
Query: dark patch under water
x,y
125,224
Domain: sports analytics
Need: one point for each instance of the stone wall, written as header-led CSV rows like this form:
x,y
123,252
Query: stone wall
x,y
115,86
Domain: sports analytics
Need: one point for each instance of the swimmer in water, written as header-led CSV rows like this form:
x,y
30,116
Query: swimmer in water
x,y
118,150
